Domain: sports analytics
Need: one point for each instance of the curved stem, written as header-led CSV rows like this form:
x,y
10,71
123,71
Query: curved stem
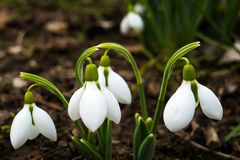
x,y
80,62
185,60
167,72
32,86
127,55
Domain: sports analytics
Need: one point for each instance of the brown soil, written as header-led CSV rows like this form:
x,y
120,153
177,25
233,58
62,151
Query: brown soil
x,y
26,45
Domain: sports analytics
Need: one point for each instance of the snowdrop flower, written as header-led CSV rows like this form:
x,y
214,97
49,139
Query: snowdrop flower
x,y
180,108
113,81
93,103
132,21
139,8
29,122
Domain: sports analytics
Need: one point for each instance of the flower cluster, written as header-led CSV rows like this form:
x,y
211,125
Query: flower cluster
x,y
93,102
180,108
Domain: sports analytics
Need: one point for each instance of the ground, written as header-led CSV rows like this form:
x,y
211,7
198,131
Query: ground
x,y
29,43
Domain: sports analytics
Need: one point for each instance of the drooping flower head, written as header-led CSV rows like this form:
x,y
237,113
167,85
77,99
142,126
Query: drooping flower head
x,y
31,121
113,81
180,108
131,22
93,103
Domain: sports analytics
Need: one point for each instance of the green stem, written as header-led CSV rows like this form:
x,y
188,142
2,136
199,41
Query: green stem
x,y
90,137
80,128
101,142
127,55
32,86
185,60
108,148
167,72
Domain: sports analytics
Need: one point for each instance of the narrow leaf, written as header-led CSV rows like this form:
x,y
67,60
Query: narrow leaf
x,y
146,150
140,133
233,133
87,149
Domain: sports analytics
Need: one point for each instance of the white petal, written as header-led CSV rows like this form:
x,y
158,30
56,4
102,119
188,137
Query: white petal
x,y
101,77
113,108
135,21
124,27
118,86
21,125
73,107
93,107
33,133
209,103
44,123
180,108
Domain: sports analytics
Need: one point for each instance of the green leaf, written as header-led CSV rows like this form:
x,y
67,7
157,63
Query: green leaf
x,y
46,84
233,133
87,149
148,123
136,116
232,12
147,148
140,133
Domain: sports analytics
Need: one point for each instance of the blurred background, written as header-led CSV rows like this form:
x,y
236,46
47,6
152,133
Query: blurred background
x,y
46,37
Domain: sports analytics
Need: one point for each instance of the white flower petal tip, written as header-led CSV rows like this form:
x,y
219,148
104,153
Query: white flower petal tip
x,y
209,103
44,123
33,133
132,21
93,107
73,107
180,108
117,85
20,127
113,108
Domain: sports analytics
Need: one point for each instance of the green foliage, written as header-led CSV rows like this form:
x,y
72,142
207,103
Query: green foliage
x,y
87,149
140,133
235,132
147,148
170,24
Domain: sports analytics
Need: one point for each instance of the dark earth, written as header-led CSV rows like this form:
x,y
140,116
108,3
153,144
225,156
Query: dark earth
x,y
28,44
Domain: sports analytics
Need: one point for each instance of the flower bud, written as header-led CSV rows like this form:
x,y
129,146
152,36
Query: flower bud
x,y
91,72
189,73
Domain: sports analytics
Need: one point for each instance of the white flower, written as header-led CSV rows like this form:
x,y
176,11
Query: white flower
x,y
180,108
116,84
139,8
93,105
27,125
132,21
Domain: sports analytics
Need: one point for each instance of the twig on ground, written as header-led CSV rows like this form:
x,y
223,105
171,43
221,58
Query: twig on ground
x,y
50,152
199,146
